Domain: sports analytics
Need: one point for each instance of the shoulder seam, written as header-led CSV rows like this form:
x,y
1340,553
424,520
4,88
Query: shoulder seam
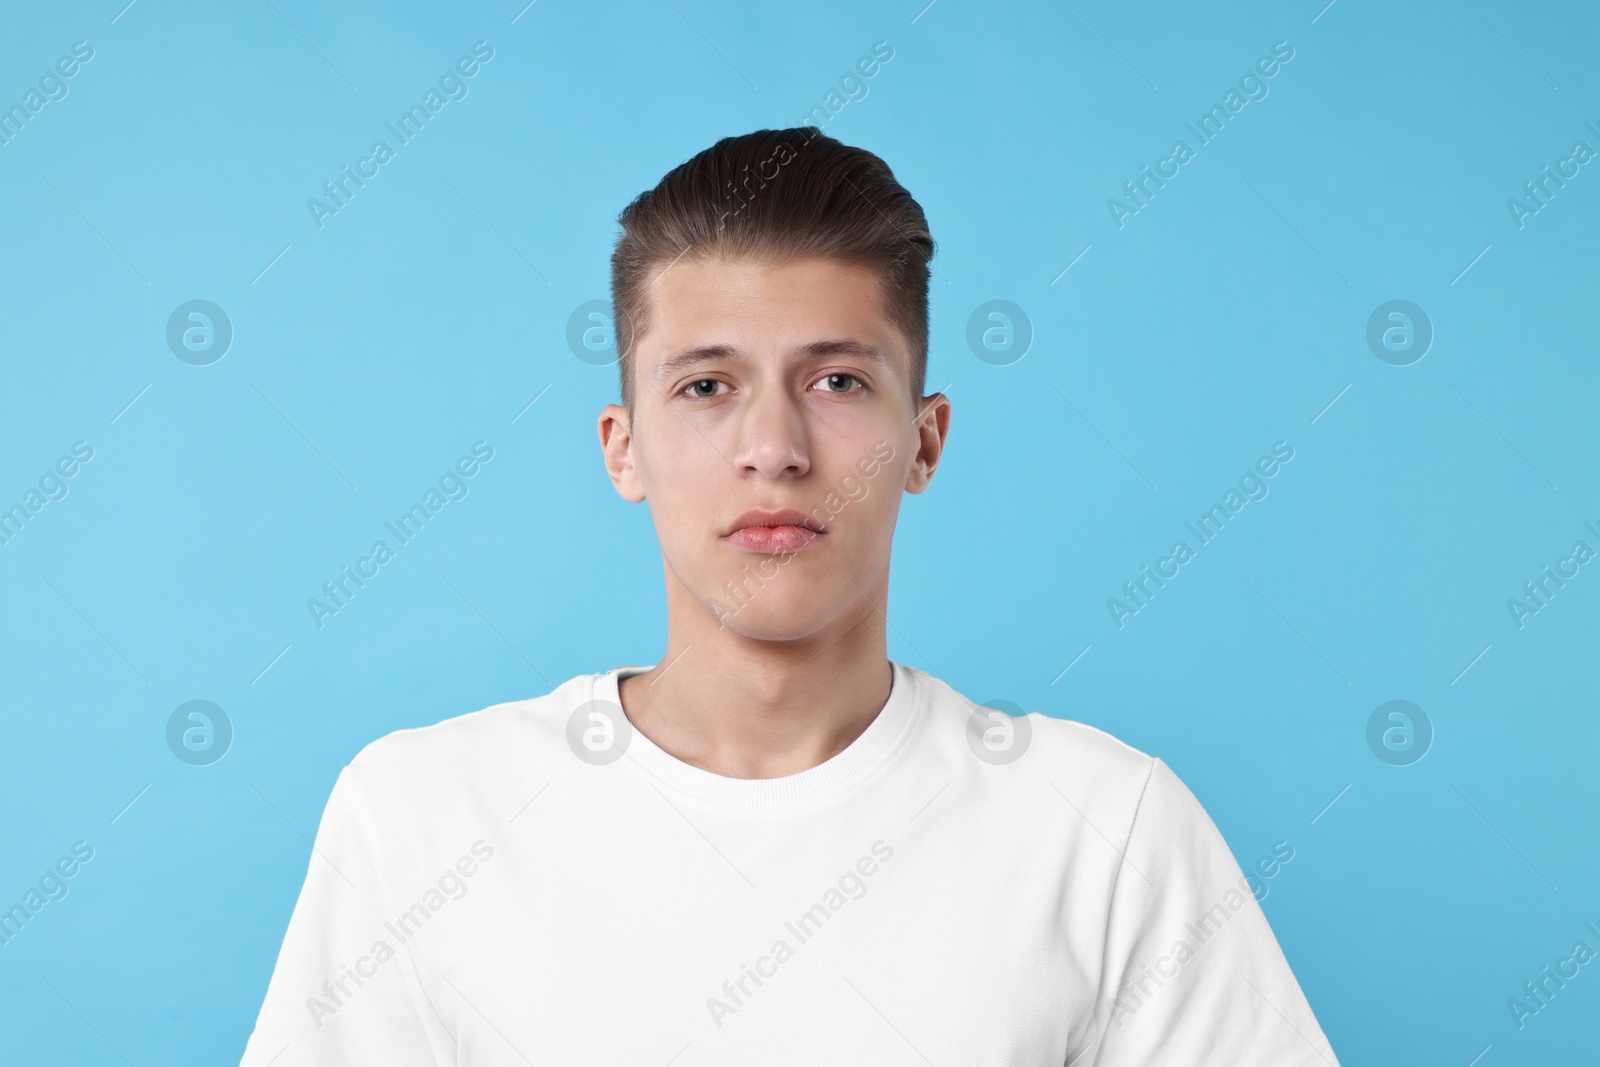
x,y
1122,861
1138,806
363,813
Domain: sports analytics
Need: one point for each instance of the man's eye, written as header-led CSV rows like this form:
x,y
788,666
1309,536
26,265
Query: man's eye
x,y
693,388
834,379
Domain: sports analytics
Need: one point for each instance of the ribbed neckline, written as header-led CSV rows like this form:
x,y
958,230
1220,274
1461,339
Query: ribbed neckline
x,y
832,778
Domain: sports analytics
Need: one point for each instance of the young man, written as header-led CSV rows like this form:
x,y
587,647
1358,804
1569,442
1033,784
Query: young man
x,y
775,846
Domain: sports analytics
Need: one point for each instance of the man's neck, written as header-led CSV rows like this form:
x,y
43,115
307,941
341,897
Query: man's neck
x,y
745,708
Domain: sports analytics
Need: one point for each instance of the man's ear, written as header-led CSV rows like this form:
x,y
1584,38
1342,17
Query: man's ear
x,y
616,442
933,427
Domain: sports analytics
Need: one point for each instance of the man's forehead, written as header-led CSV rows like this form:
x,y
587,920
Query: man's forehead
x,y
702,310
709,284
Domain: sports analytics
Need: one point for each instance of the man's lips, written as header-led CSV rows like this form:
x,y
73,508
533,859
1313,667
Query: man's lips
x,y
782,530
774,538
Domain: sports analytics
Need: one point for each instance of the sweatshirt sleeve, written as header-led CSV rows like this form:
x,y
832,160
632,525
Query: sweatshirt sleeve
x,y
1192,973
345,989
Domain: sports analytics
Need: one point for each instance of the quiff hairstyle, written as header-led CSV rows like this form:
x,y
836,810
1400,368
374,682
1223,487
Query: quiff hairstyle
x,y
776,195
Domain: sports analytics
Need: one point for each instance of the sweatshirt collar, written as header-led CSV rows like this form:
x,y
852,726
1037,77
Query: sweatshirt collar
x,y
861,760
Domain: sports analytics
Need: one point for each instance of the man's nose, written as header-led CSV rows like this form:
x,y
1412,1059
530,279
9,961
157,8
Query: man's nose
x,y
773,439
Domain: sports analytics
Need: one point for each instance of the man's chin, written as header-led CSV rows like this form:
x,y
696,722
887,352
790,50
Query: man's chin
x,y
771,616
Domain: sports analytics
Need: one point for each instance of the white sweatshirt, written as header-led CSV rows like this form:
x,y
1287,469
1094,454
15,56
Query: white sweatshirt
x,y
538,883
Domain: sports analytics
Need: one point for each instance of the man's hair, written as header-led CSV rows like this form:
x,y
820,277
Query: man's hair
x,y
776,195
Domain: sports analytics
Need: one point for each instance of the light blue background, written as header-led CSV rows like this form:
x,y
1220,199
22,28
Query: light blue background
x,y
1223,317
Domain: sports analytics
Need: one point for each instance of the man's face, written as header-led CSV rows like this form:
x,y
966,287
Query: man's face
x,y
767,388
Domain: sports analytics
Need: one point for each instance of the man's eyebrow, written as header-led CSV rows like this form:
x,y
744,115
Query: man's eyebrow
x,y
844,347
691,357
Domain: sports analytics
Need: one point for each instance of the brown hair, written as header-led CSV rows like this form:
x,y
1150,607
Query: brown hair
x,y
777,194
